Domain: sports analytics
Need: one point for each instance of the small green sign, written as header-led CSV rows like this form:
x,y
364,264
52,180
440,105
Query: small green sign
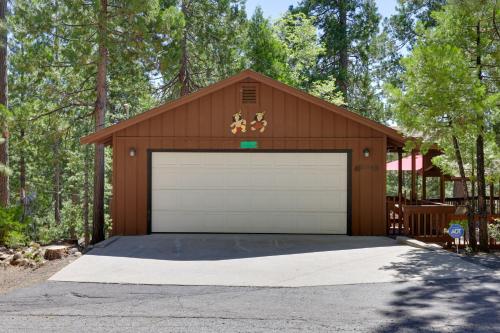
x,y
249,145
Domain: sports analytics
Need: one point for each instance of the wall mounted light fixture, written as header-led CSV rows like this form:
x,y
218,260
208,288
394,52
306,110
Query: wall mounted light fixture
x,y
131,152
366,152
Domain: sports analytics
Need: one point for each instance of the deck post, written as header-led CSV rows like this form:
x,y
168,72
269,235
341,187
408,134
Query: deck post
x,y
424,185
400,173
400,189
413,194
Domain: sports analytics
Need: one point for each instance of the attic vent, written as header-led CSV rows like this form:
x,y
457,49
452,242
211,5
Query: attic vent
x,y
249,94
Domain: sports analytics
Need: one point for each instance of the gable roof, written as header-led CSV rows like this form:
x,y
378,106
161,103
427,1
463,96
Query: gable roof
x,y
104,135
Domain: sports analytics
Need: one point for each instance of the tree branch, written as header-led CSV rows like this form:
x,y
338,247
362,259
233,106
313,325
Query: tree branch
x,y
58,110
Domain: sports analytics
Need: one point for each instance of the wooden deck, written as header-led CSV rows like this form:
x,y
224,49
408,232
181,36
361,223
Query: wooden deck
x,y
428,221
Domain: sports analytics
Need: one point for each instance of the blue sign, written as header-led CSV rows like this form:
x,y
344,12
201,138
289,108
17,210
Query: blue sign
x,y
456,231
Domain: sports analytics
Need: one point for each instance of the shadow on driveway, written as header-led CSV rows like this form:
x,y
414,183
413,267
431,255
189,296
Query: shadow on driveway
x,y
471,303
196,247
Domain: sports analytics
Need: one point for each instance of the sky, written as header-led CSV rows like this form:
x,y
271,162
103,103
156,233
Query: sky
x,y
274,8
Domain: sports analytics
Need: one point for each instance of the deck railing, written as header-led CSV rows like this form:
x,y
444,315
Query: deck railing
x,y
490,218
492,203
395,222
425,221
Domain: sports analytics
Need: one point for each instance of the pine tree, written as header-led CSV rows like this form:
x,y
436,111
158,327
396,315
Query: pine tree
x,y
205,45
59,46
301,46
264,51
4,138
450,94
349,29
402,26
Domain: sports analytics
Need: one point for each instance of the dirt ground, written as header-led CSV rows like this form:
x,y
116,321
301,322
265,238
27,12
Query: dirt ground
x,y
13,277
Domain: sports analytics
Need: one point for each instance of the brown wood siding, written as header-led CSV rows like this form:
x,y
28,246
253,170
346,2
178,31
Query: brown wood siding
x,y
293,124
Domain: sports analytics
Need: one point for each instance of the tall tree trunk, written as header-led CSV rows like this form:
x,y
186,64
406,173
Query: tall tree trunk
x,y
57,181
75,201
481,196
183,69
22,174
481,179
473,185
86,198
22,170
99,116
4,147
343,49
56,196
465,188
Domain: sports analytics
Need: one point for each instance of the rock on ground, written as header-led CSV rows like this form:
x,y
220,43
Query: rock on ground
x,y
13,277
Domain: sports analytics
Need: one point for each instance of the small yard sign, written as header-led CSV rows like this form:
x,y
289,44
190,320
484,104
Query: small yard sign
x,y
249,145
456,231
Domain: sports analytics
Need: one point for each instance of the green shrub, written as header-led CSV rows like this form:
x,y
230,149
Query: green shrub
x,y
72,221
48,234
494,230
15,239
13,226
463,223
70,227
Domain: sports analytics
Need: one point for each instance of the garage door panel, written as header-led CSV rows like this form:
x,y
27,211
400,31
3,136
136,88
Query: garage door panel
x,y
294,179
249,192
225,199
260,180
171,180
165,200
248,201
322,201
274,222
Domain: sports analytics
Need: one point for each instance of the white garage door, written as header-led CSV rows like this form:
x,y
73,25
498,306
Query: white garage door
x,y
249,192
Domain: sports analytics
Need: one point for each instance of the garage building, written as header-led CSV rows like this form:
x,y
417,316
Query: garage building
x,y
248,155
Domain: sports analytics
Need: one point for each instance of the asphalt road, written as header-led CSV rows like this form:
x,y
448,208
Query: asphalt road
x,y
456,305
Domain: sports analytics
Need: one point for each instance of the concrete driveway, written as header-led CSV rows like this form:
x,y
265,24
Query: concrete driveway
x,y
262,260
